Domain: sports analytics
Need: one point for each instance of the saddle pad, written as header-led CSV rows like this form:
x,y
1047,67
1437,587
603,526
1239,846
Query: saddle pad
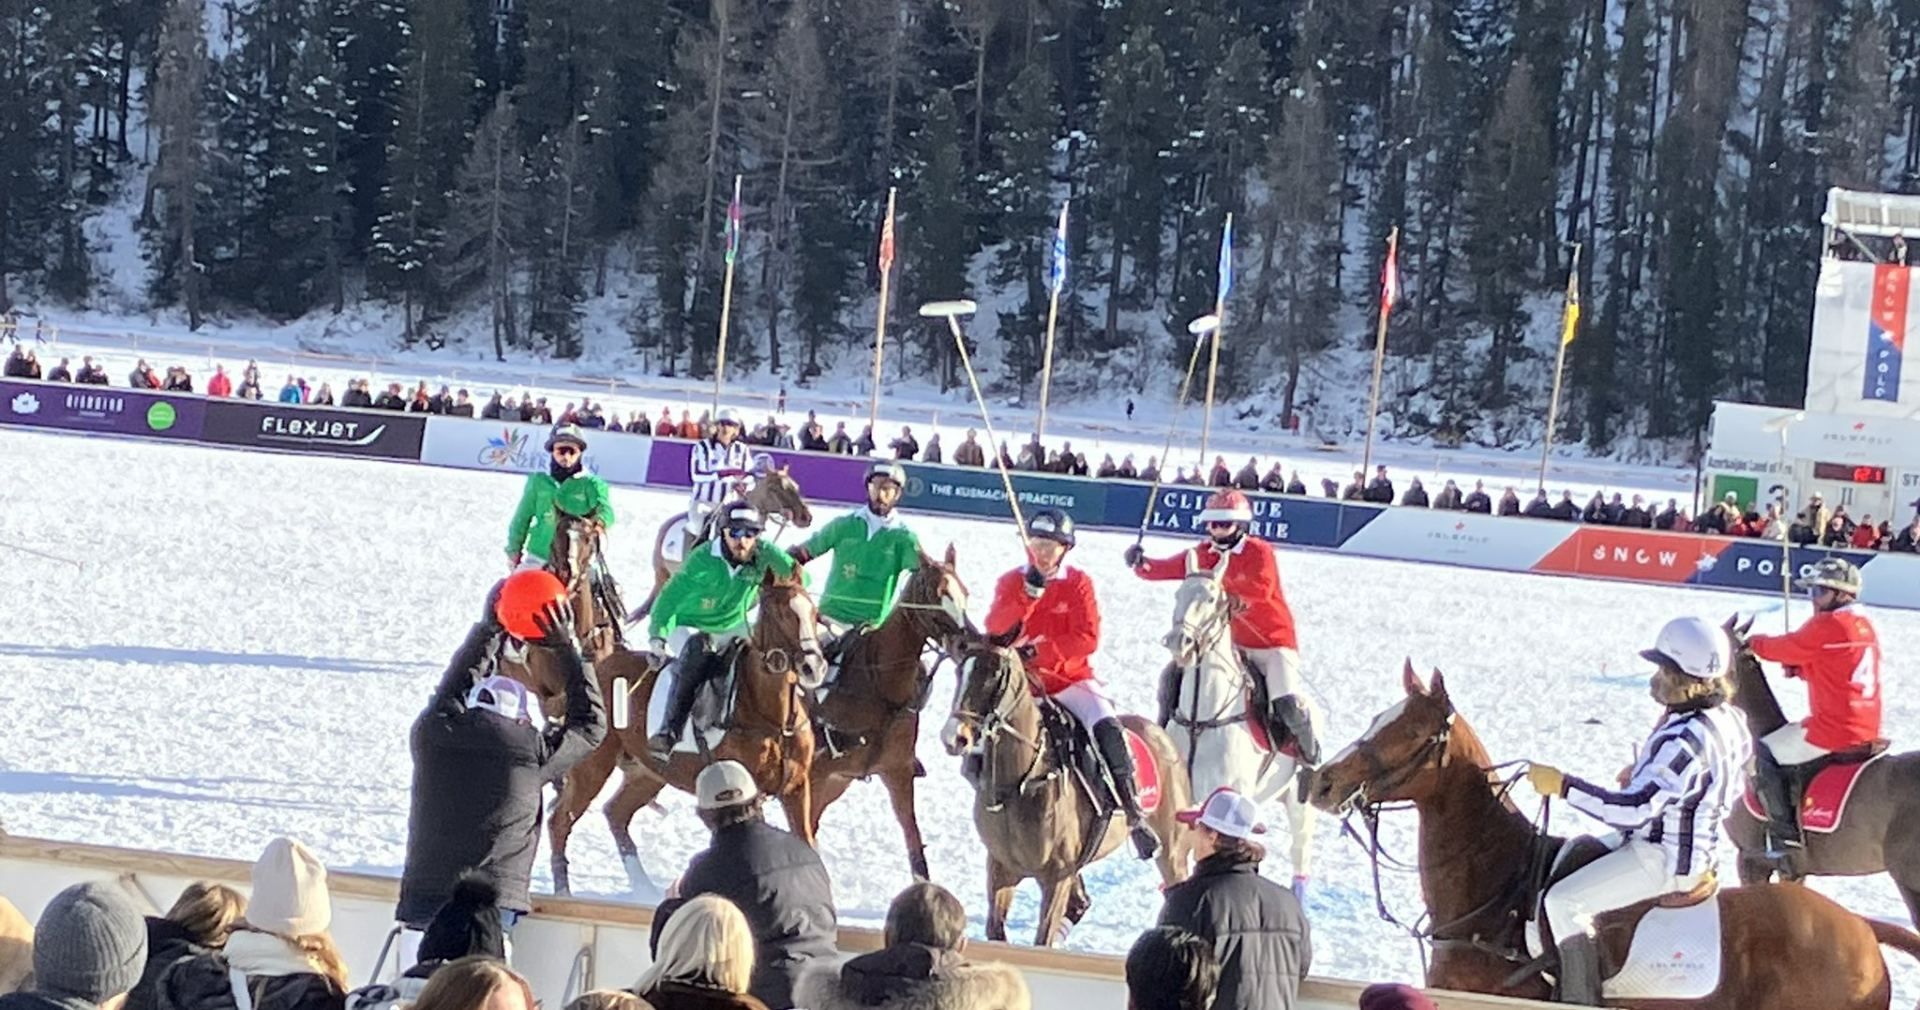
x,y
1675,955
673,545
1824,806
1146,774
656,714
1257,725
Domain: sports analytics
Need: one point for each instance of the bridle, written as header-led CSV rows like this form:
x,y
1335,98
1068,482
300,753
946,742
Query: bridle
x,y
997,721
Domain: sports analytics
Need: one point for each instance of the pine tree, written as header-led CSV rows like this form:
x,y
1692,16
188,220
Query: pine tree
x,y
23,136
1021,195
374,51
1510,185
173,192
935,216
561,186
1135,127
305,198
1295,279
486,223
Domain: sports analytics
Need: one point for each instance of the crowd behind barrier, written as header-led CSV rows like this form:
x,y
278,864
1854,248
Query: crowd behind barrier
x,y
1730,545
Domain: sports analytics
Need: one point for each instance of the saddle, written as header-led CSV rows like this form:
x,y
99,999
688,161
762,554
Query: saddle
x,y
1073,752
1257,702
1826,786
713,707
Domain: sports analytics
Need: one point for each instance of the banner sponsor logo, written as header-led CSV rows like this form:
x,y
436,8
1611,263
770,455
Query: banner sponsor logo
x,y
380,434
1755,564
974,491
1456,538
517,448
1639,555
1305,522
1834,438
1886,333
96,408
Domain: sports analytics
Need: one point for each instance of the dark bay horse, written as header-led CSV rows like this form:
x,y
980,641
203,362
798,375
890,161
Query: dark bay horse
x,y
770,731
1881,830
775,495
877,698
1034,818
1783,947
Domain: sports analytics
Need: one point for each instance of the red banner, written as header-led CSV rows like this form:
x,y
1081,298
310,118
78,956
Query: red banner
x,y
1614,553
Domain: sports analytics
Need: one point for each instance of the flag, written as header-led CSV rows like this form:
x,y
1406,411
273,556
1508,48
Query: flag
x,y
1226,260
1570,322
886,243
733,226
1390,275
1058,278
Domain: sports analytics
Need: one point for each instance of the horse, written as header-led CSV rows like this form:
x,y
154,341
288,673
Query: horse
x,y
1483,867
878,695
1030,807
769,731
775,495
1881,828
1210,723
577,549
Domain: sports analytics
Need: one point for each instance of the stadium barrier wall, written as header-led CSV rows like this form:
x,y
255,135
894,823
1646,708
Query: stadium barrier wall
x,y
567,946
1460,539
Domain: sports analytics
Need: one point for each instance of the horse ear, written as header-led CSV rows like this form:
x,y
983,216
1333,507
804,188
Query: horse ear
x,y
1745,628
1439,687
953,558
1411,680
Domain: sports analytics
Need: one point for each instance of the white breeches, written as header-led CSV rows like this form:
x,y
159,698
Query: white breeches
x,y
1281,667
1088,702
1789,745
1635,871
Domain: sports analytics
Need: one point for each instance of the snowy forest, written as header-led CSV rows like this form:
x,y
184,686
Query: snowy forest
x,y
492,162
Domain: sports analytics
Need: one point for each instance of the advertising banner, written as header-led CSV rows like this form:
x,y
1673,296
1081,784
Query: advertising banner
x,y
1468,539
1878,441
821,477
978,491
1305,522
1862,318
1891,580
1613,552
101,408
509,447
380,434
1886,332
1754,565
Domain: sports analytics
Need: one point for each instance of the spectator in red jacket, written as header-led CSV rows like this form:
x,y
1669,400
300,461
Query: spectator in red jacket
x,y
1866,536
220,384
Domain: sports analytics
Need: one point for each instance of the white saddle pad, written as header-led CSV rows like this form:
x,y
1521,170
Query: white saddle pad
x,y
673,548
656,714
1675,955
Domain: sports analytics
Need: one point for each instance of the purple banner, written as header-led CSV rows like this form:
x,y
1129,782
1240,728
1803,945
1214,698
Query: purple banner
x,y
102,409
821,477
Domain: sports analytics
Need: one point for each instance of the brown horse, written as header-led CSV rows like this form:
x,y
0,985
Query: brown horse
x,y
1481,862
1031,812
1881,831
882,686
775,495
576,549
770,731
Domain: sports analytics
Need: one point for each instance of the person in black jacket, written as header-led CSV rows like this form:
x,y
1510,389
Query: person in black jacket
x,y
282,948
1380,488
1565,510
198,923
1416,495
906,447
479,765
61,372
777,880
1449,498
1258,930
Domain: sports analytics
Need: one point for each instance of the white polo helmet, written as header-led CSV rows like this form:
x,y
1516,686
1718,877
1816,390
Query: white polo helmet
x,y
1695,646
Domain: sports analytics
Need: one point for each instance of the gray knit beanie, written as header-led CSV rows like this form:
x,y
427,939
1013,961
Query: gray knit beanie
x,y
90,943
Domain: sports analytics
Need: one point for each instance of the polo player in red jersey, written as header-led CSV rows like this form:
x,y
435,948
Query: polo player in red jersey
x,y
1263,628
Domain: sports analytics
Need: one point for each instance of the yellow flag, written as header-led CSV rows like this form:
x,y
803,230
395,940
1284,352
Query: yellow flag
x,y
1570,322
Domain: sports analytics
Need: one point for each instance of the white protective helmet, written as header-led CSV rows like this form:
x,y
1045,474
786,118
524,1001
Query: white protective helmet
x,y
1695,646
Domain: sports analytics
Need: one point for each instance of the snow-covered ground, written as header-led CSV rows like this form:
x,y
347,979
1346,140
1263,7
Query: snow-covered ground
x,y
247,637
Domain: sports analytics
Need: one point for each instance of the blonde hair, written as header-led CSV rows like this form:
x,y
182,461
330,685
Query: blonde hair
x,y
608,999
707,941
468,983
317,948
1674,688
208,912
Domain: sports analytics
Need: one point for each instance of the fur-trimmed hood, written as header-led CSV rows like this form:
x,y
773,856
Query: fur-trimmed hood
x,y
911,977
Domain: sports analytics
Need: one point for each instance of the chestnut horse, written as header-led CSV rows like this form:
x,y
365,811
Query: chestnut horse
x,y
577,545
1035,819
877,697
771,731
1783,947
1881,831
775,495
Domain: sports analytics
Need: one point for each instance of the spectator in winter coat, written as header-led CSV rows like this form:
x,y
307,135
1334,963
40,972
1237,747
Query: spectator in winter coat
x,y
179,380
1908,541
1380,489
1565,510
1866,536
1330,488
290,393
841,442
689,428
90,373
88,951
1126,470
595,419
639,424
931,454
1080,467
1169,968
142,376
1616,511
198,923
251,373
1636,516
479,764
1357,490
1477,500
1539,507
1248,478
220,384
813,437
1596,511
1275,481
535,410
1006,460
1220,476
468,925
704,958
906,447
1151,472
282,947
17,364
391,398
922,967
1509,502
1258,930
1295,485
1416,495
1836,534
777,881
864,445
1108,468
360,396
60,373
1669,517
1449,498
491,411
420,402
514,409
250,390
441,402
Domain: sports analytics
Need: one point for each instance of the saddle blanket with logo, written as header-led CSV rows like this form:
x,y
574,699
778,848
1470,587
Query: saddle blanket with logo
x,y
1675,955
1146,774
1824,806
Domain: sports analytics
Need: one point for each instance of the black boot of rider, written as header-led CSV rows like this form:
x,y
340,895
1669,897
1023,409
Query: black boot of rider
x,y
688,676
1169,693
1111,740
1288,718
1579,975
1780,787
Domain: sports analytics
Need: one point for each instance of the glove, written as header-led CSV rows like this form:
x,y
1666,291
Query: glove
x,y
657,646
555,621
1547,780
1036,582
1135,557
800,555
1236,606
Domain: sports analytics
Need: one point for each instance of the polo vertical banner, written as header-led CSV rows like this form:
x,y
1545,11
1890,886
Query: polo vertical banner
x,y
1886,333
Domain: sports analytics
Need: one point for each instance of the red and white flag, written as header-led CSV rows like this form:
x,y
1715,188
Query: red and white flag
x,y
1390,274
886,243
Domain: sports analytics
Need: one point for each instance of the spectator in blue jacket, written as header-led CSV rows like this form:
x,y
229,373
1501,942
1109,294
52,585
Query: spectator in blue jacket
x,y
290,393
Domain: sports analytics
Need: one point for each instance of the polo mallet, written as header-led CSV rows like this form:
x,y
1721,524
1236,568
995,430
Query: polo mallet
x,y
1200,328
952,311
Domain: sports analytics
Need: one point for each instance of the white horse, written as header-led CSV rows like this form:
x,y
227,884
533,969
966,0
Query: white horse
x,y
1210,720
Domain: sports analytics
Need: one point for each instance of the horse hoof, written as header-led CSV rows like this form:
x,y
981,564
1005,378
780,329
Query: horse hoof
x,y
1300,889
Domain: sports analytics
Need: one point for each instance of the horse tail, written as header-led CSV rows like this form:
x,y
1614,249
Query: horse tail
x,y
1898,937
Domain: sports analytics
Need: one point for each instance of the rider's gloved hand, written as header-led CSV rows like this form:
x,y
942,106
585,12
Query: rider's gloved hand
x,y
1547,780
1136,556
800,555
555,621
1036,582
657,646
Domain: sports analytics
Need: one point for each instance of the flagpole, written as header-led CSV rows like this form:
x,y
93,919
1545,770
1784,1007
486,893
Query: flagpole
x,y
1380,352
1570,318
880,324
1053,317
726,299
1220,323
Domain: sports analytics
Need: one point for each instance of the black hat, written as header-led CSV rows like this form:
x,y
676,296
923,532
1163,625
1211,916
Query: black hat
x,y
469,923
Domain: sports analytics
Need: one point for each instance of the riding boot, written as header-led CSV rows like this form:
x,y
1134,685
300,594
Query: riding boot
x,y
1111,741
689,674
1779,787
1288,718
1579,975
827,737
1169,692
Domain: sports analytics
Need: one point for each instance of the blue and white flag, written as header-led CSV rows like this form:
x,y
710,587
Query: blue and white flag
x,y
1226,260
1057,278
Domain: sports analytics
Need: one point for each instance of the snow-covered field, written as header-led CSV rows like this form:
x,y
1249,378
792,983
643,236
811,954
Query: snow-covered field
x,y
248,637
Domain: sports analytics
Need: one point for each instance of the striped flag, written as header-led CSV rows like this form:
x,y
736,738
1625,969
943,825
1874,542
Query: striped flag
x,y
886,242
1390,275
733,225
1570,322
1226,260
1058,277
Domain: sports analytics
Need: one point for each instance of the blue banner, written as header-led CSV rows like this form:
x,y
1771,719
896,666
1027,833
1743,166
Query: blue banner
x,y
979,491
1305,522
1754,565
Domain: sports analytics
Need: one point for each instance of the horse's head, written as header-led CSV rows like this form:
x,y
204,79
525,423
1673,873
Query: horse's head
x,y
1399,756
776,493
992,684
575,542
1201,612
787,631
935,596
